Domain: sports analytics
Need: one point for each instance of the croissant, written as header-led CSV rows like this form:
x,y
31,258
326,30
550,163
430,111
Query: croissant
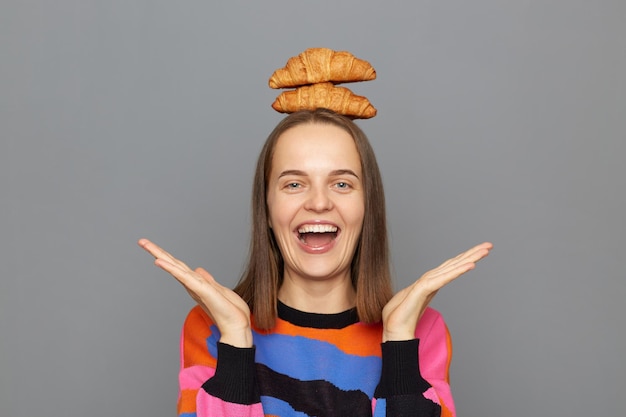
x,y
339,99
316,65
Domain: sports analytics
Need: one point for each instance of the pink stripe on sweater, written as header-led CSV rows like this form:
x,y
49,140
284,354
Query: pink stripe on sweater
x,y
434,356
194,376
214,407
431,394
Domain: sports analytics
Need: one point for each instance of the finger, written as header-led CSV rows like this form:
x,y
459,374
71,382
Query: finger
x,y
153,249
200,285
474,253
228,295
184,275
159,253
479,251
437,279
205,274
471,255
208,278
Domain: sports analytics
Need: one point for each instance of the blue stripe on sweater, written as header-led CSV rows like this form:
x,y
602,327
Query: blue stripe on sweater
x,y
277,407
309,359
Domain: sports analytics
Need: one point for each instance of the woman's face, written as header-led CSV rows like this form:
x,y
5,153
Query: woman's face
x,y
315,201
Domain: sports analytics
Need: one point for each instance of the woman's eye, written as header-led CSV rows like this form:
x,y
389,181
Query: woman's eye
x,y
293,185
342,185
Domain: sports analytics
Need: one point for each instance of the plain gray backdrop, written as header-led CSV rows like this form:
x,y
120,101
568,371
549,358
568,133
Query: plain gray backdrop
x,y
500,121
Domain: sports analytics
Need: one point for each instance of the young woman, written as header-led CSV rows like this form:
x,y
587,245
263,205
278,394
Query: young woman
x,y
313,328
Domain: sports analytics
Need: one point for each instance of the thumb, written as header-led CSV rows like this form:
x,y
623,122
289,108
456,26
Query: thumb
x,y
204,274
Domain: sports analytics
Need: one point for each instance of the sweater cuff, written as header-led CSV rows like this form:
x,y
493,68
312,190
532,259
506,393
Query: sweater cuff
x,y
234,379
400,373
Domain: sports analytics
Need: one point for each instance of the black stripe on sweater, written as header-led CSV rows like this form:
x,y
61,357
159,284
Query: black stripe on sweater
x,y
315,398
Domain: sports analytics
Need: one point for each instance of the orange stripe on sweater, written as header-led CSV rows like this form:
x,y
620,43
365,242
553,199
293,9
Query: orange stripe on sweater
x,y
449,348
196,331
351,340
445,411
187,401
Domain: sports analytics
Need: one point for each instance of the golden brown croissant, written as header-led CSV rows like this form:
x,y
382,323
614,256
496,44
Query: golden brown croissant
x,y
339,99
317,65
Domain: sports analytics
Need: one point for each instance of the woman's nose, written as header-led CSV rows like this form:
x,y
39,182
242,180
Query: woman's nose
x,y
319,200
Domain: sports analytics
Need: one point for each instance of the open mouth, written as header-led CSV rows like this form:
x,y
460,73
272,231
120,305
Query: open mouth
x,y
317,235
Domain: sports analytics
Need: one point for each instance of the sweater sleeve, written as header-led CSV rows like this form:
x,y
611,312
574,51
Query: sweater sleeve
x,y
414,377
435,355
212,387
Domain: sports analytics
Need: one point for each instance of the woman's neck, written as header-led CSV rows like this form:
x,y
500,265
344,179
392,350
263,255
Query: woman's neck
x,y
323,297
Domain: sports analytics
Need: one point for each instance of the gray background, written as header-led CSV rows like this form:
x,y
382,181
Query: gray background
x,y
501,121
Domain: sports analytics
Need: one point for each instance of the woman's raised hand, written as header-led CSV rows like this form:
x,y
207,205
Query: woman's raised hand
x,y
227,310
403,311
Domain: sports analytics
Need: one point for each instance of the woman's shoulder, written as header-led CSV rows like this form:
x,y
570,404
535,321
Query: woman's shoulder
x,y
198,342
197,314
431,320
197,323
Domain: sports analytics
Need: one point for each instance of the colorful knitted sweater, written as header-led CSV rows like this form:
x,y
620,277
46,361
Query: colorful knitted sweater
x,y
315,365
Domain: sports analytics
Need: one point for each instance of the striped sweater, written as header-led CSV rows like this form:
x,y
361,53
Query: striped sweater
x,y
315,365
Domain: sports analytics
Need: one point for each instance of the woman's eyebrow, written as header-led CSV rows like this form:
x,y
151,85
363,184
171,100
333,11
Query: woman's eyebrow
x,y
292,172
339,172
334,173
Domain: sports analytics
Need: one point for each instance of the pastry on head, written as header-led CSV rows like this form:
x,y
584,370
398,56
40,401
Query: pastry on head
x,y
325,95
317,65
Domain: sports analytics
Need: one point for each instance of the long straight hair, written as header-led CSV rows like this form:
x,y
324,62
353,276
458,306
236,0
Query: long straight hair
x,y
370,270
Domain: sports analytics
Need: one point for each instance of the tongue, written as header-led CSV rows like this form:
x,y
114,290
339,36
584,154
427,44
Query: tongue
x,y
317,239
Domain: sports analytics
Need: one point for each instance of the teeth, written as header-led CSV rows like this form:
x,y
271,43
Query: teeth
x,y
317,228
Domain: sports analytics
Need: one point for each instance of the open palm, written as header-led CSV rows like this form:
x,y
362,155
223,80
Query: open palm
x,y
403,311
229,312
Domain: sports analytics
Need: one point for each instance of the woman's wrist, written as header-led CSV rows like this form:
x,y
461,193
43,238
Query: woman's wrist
x,y
240,339
397,335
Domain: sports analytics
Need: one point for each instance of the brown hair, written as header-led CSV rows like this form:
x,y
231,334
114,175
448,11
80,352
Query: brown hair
x,y
370,271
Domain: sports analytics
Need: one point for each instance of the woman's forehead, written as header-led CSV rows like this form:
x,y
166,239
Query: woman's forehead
x,y
315,146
